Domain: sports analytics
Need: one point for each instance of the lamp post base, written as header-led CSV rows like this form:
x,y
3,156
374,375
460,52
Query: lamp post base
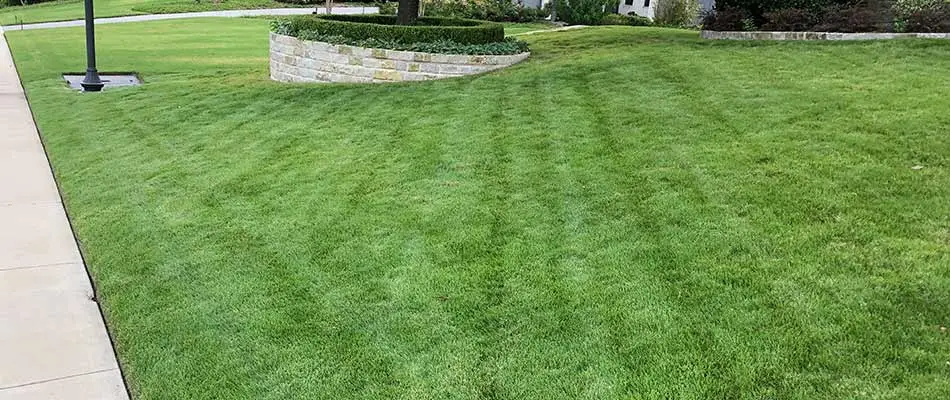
x,y
92,83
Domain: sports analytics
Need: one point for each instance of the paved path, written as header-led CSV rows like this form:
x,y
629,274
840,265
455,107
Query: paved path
x,y
206,14
563,28
53,342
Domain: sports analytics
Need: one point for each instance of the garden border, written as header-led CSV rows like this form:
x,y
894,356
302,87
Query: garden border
x,y
295,60
738,35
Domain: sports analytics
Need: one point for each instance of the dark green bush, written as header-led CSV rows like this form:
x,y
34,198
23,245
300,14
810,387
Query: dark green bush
x,y
486,10
676,13
756,9
934,19
583,12
862,17
866,16
725,19
383,27
637,20
629,20
792,19
388,7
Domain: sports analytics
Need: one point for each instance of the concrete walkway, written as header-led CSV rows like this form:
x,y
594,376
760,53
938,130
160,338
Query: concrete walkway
x,y
53,342
206,14
561,29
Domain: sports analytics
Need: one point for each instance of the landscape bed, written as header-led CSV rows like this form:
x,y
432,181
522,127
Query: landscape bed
x,y
846,19
819,35
372,48
630,213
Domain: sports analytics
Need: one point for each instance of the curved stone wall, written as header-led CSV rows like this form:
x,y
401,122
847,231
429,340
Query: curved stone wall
x,y
294,60
817,35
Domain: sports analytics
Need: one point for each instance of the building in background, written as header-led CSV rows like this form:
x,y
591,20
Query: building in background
x,y
645,8
533,3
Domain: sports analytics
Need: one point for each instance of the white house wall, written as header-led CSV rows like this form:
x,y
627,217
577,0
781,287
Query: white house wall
x,y
641,8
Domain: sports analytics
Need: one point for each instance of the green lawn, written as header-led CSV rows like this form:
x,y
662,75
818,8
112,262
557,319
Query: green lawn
x,y
631,213
73,9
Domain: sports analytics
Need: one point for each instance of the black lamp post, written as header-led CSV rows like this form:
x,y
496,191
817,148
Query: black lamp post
x,y
91,83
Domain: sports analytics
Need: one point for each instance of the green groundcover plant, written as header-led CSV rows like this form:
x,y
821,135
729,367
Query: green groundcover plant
x,y
505,47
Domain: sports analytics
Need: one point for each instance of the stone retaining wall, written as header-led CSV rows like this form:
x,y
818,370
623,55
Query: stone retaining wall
x,y
294,60
818,35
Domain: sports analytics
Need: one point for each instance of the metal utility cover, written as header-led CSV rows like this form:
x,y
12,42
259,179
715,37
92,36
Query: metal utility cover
x,y
110,80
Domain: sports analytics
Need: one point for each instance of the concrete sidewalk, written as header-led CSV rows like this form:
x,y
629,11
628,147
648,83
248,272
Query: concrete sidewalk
x,y
206,14
53,342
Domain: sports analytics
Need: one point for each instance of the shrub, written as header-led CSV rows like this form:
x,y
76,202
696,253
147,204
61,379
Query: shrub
x,y
903,9
486,10
489,10
638,20
382,27
867,17
676,13
724,19
388,8
12,3
935,19
629,20
756,9
792,19
583,12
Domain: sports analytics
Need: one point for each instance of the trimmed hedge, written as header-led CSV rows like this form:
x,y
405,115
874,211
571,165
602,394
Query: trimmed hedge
x,y
383,27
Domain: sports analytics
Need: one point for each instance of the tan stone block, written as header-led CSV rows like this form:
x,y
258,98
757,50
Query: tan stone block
x,y
422,57
413,67
429,67
387,75
450,69
401,55
372,63
418,76
356,61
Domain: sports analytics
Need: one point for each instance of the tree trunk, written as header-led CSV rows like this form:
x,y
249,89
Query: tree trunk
x,y
408,12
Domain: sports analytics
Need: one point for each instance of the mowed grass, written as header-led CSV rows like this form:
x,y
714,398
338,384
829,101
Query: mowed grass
x,y
64,10
631,213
